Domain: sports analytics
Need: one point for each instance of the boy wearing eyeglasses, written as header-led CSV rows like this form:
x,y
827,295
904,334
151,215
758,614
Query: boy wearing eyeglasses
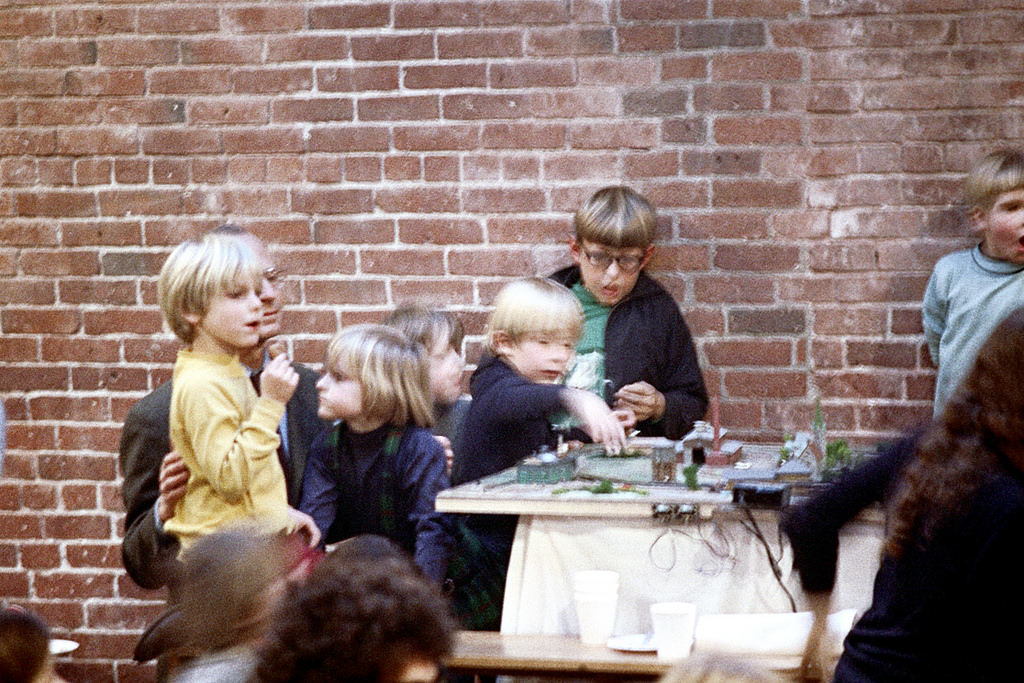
x,y
635,350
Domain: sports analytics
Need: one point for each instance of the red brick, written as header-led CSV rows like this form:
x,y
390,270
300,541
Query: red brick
x,y
757,257
646,38
618,71
418,199
236,50
136,51
307,48
282,18
516,135
469,44
384,48
398,108
353,231
350,79
92,468
358,292
546,73
744,352
92,22
508,200
426,14
490,262
402,167
765,385
347,139
271,81
452,136
78,586
601,135
55,203
439,231
350,15
323,201
658,10
442,76
56,53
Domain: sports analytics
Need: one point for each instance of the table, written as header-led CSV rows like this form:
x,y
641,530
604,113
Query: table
x,y
706,554
490,652
561,657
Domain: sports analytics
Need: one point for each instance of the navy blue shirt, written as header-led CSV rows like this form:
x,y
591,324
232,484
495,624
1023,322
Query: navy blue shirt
x,y
353,486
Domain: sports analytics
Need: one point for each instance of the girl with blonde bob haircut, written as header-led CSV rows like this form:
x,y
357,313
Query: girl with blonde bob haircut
x,y
378,470
391,370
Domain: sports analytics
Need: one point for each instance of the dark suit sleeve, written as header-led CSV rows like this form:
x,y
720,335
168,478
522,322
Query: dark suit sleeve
x,y
148,554
303,427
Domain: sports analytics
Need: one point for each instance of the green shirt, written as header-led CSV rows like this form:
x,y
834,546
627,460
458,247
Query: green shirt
x,y
587,369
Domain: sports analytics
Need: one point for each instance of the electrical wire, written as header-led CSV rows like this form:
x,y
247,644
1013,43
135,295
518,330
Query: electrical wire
x,y
755,529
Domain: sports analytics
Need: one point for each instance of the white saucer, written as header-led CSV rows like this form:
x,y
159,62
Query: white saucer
x,y
59,646
634,642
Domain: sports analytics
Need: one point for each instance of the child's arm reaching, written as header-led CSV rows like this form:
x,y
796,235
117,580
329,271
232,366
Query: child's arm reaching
x,y
304,524
599,421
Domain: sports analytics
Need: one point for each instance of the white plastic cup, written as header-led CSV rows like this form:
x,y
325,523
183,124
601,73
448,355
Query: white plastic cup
x,y
596,615
674,626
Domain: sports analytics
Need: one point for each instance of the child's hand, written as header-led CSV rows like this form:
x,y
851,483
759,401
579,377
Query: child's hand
x,y
626,417
598,420
449,454
305,525
278,379
646,402
173,484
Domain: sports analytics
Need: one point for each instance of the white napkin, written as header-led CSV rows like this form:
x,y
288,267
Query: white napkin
x,y
783,635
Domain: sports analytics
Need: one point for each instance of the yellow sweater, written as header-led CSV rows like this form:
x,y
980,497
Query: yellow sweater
x,y
227,436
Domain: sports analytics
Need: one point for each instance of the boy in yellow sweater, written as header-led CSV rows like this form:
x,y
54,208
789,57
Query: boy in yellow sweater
x,y
225,433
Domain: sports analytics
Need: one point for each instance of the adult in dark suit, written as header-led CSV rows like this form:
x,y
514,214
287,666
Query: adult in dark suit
x,y
152,483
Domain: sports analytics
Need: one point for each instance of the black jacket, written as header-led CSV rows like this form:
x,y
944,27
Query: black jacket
x,y
943,610
647,340
149,555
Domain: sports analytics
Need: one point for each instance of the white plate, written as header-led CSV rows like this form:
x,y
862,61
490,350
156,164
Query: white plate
x,y
59,646
634,642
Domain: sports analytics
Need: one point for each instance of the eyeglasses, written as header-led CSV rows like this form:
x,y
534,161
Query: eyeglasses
x,y
627,263
273,275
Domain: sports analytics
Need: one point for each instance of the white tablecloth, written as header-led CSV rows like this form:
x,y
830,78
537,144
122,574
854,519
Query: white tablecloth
x,y
722,568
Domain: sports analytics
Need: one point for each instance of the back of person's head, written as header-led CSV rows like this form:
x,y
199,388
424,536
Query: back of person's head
x,y
616,216
229,582
356,621
717,669
199,270
426,326
533,305
392,372
992,175
979,432
370,548
24,647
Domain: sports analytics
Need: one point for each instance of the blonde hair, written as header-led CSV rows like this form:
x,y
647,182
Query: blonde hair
x,y
391,370
199,270
994,174
426,326
533,305
616,216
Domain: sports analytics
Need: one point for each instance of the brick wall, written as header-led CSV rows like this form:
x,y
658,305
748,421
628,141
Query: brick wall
x,y
805,156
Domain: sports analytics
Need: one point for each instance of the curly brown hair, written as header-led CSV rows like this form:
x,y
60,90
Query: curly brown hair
x,y
979,434
356,620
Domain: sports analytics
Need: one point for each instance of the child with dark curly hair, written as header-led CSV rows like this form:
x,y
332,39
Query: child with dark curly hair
x,y
357,620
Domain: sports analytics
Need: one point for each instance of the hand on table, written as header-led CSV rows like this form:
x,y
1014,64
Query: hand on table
x,y
598,420
173,484
646,402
